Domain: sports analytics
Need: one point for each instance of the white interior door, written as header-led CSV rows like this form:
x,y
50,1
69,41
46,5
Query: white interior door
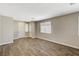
x,y
21,29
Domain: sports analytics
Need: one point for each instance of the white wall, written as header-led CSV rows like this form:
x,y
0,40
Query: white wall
x,y
6,29
64,30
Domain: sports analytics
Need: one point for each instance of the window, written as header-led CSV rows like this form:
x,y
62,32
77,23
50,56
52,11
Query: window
x,y
45,27
26,27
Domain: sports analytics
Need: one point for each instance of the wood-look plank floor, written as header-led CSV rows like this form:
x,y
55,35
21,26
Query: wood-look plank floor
x,y
36,47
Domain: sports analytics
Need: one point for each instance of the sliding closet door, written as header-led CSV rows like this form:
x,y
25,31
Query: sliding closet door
x,y
0,30
7,30
78,27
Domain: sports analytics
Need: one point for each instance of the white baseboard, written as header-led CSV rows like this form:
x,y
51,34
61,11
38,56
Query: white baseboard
x,y
19,37
73,46
6,43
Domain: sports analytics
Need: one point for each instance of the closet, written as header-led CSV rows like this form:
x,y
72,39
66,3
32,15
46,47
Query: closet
x,y
6,30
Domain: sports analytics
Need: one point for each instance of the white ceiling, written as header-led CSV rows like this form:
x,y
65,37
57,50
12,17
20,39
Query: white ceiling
x,y
36,11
